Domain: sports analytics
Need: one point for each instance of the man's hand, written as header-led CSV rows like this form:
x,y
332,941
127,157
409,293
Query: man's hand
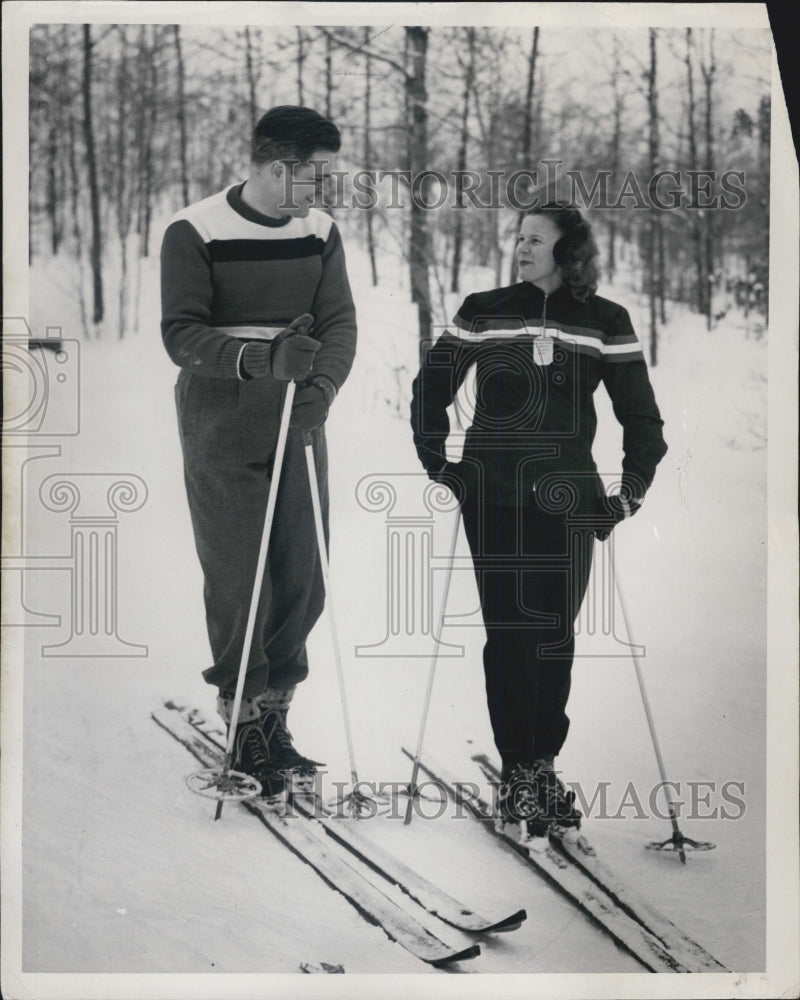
x,y
312,402
292,351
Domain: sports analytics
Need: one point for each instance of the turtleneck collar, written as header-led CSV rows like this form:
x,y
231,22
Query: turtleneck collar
x,y
239,205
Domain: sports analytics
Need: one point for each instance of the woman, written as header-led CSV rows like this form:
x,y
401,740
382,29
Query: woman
x,y
531,498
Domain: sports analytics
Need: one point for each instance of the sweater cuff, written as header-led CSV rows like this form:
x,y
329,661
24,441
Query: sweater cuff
x,y
326,384
229,359
330,370
255,360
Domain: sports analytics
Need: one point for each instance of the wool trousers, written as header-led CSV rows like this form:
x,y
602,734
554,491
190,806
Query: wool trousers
x,y
532,570
229,433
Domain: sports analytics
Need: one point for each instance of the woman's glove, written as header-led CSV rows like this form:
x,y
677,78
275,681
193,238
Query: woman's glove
x,y
460,477
611,511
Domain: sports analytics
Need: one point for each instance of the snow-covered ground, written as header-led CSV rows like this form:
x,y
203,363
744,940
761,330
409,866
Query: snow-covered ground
x,y
125,871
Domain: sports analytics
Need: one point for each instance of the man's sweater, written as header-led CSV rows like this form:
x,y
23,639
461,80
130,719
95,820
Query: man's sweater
x,y
228,272
539,360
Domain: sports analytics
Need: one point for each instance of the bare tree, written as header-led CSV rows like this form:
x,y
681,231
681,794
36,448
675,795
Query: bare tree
x,y
252,77
708,69
146,128
94,190
615,147
461,166
300,61
77,219
369,214
701,287
181,113
654,273
416,90
123,194
527,129
329,74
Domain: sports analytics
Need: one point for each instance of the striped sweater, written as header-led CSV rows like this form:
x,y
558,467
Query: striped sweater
x,y
539,359
229,272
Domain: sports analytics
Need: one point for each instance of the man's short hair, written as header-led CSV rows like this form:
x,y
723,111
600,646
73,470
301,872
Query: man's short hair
x,y
293,133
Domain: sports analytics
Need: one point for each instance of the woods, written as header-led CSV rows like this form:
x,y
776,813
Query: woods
x,y
449,133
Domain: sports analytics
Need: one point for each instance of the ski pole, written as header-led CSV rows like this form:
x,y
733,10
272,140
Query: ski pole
x,y
356,798
677,842
412,785
272,497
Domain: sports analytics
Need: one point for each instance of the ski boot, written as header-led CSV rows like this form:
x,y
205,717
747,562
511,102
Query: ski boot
x,y
299,770
519,810
251,752
252,756
558,806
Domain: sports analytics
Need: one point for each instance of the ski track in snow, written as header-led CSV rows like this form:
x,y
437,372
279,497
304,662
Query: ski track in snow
x,y
124,869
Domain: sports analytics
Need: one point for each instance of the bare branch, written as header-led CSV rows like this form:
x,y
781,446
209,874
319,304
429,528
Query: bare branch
x,y
360,50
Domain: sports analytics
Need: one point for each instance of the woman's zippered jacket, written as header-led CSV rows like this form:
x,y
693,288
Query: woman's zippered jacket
x,y
539,359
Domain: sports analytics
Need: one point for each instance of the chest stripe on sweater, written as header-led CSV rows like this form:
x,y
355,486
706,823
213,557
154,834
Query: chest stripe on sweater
x,y
230,251
588,340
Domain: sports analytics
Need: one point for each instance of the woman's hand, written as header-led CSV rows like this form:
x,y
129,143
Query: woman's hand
x,y
460,477
611,511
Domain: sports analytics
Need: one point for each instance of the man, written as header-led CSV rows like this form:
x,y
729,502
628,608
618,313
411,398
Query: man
x,y
246,276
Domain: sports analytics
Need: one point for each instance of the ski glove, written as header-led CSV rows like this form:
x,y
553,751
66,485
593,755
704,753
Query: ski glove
x,y
612,510
289,356
312,401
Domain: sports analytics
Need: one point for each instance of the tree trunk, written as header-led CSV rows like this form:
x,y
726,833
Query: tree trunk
x,y
418,161
252,78
77,221
458,235
764,131
694,221
708,69
329,72
614,160
527,132
94,191
301,58
527,120
54,176
662,278
654,221
181,112
369,213
149,120
123,195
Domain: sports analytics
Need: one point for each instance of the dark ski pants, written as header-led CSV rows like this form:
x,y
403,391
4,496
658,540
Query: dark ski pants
x,y
532,571
229,433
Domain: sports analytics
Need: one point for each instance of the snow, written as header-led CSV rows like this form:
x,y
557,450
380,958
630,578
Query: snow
x,y
125,871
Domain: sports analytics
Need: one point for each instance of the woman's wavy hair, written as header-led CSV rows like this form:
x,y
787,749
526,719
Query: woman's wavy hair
x,y
576,252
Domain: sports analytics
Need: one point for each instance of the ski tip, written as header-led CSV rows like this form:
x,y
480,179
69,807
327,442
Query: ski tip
x,y
317,967
512,923
457,956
